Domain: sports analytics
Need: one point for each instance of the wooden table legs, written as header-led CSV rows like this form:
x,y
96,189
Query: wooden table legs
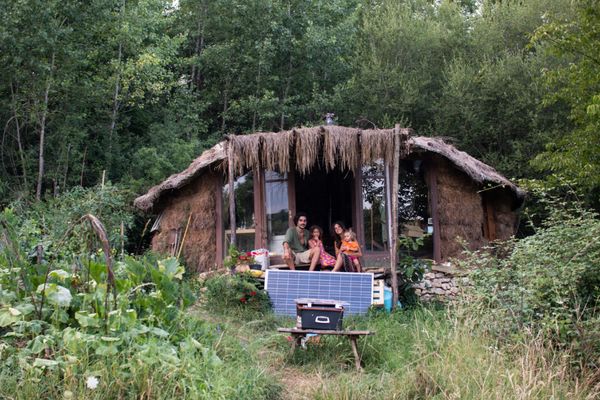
x,y
355,351
297,342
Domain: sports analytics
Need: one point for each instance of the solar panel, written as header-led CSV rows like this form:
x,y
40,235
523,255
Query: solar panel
x,y
284,287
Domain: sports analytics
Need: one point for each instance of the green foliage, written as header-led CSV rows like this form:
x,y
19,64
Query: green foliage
x,y
58,330
575,83
236,257
548,282
410,269
238,293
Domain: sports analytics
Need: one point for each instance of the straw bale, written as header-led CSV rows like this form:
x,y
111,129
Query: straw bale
x,y
506,220
198,201
308,145
341,148
460,210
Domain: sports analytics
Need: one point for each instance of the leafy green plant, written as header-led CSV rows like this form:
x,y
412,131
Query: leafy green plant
x,y
548,282
410,269
236,257
237,291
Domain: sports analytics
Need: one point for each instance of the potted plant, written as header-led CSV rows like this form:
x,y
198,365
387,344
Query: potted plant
x,y
239,261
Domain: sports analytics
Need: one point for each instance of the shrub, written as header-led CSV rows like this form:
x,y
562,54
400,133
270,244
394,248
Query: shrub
x,y
549,283
235,292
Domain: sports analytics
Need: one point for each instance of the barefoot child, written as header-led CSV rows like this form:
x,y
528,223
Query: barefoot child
x,y
316,234
349,253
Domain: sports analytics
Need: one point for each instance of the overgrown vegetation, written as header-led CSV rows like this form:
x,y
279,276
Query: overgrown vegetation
x,y
76,323
528,331
548,283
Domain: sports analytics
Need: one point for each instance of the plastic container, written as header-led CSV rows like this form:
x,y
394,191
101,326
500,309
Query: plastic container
x,y
387,299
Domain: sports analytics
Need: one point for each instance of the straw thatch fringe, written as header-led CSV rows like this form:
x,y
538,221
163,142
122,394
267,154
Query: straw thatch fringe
x,y
376,144
276,150
246,152
404,136
308,144
341,148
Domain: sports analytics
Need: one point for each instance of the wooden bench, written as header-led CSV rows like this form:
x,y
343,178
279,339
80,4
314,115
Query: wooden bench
x,y
298,334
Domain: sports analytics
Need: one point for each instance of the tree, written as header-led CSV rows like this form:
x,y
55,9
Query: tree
x,y
575,83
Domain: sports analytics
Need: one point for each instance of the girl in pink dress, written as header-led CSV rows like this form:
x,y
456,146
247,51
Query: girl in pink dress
x,y
316,234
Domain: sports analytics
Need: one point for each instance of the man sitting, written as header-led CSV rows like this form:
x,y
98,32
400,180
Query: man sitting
x,y
295,245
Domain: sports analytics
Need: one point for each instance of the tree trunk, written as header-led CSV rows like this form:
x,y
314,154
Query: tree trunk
x,y
38,192
115,108
285,93
18,137
225,103
195,74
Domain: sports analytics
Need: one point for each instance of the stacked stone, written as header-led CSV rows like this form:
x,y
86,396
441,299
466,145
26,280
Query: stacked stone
x,y
439,286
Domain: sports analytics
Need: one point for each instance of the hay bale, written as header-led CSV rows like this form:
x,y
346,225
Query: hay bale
x,y
460,210
198,200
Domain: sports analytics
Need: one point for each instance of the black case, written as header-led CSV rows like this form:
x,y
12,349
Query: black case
x,y
322,318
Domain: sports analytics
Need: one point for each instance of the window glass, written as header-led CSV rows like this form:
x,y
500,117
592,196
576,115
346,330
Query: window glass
x,y
375,220
276,191
244,212
414,219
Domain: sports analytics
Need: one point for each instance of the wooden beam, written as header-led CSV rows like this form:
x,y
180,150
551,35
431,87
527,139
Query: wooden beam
x,y
431,177
291,181
357,206
231,193
218,190
260,216
393,220
490,220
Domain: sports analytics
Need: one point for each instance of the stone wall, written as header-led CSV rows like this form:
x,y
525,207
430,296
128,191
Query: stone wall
x,y
441,283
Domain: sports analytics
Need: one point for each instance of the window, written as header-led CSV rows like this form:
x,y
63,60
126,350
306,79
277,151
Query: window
x,y
375,217
244,212
277,209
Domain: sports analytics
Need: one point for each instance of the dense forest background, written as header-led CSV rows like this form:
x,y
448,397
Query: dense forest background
x,y
132,90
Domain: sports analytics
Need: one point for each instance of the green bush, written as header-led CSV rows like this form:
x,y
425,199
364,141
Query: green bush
x,y
235,292
548,283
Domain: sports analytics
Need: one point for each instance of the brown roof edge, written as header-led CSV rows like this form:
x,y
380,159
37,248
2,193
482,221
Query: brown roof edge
x,y
176,181
475,169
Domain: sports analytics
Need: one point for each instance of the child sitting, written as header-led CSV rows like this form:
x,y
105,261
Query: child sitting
x,y
349,253
325,259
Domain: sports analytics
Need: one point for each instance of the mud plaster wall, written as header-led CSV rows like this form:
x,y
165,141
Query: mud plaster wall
x,y
460,210
199,245
505,218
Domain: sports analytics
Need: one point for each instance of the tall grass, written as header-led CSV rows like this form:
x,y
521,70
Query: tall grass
x,y
435,354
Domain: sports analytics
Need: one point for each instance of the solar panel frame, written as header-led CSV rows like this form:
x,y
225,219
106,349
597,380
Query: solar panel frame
x,y
284,287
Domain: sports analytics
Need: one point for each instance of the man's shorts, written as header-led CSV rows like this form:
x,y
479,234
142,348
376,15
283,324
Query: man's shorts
x,y
302,258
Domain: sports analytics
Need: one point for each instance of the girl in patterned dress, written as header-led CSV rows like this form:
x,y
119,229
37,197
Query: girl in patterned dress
x,y
316,234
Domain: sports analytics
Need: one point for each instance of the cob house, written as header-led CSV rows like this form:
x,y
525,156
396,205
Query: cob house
x,y
247,188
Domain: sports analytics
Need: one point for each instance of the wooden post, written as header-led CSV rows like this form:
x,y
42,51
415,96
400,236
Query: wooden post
x,y
260,218
393,220
431,168
218,188
231,193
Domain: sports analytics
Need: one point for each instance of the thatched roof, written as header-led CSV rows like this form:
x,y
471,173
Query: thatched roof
x,y
179,180
343,147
